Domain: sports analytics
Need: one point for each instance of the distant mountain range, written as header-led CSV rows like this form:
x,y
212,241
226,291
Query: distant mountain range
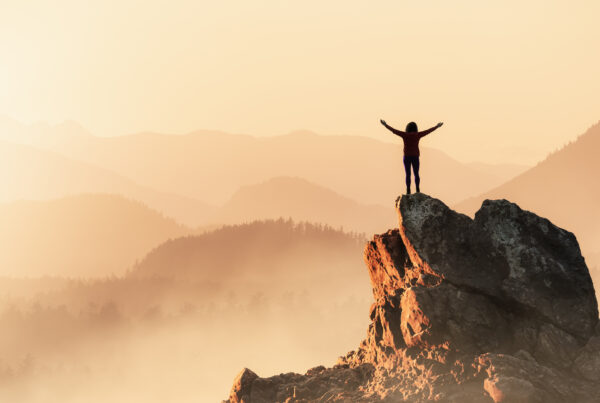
x,y
38,174
346,181
79,236
32,173
211,166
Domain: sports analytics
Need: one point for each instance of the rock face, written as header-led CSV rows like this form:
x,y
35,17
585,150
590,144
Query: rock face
x,y
500,308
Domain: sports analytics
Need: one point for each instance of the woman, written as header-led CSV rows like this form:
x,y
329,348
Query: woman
x,y
411,149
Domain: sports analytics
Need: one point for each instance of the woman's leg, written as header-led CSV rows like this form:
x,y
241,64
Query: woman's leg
x,y
407,172
415,165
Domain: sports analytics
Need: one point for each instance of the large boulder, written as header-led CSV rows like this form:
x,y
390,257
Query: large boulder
x,y
513,256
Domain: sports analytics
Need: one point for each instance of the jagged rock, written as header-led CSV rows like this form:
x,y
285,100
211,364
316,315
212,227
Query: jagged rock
x,y
386,257
319,384
551,385
500,308
242,386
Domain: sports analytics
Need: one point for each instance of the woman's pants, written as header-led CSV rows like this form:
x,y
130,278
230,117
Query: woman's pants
x,y
414,161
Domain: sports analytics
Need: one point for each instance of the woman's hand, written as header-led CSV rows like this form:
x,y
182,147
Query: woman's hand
x,y
440,124
383,122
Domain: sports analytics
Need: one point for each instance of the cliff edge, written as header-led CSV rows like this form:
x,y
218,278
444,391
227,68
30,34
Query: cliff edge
x,y
499,308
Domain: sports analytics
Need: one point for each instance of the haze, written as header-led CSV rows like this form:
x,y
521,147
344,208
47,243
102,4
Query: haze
x,y
187,187
512,80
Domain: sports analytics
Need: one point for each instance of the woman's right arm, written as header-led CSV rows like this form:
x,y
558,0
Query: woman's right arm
x,y
390,128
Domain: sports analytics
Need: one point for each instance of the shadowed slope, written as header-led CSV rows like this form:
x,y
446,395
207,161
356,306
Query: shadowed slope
x,y
564,187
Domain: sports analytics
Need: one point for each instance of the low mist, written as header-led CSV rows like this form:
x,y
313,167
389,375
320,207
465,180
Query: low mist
x,y
159,338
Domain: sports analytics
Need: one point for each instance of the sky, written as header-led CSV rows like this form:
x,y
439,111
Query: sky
x,y
511,80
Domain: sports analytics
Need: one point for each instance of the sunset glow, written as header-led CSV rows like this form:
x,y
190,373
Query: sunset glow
x,y
511,79
396,201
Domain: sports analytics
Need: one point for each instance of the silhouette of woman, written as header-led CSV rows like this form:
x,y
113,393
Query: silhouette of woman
x,y
411,139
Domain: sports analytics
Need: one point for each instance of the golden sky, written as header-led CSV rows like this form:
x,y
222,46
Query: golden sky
x,y
512,80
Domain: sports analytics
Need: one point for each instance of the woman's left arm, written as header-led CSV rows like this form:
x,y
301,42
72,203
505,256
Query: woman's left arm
x,y
426,132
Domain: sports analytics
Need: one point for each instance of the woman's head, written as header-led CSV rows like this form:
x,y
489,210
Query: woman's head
x,y
411,127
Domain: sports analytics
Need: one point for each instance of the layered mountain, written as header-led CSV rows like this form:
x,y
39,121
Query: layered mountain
x,y
33,173
271,257
87,235
564,187
499,308
212,165
302,201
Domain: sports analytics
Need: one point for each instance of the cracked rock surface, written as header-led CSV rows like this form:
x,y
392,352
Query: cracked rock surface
x,y
499,308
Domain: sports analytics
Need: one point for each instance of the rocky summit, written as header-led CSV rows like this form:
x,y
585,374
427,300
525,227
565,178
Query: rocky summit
x,y
499,308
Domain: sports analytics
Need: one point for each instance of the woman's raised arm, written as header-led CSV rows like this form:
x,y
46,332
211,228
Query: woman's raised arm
x,y
390,128
426,132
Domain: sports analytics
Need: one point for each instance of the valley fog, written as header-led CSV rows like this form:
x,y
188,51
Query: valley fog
x,y
183,336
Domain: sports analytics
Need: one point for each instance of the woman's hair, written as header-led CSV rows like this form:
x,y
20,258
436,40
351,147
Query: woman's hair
x,y
411,127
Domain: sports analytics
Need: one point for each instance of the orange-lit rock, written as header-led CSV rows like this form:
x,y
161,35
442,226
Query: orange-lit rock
x,y
496,309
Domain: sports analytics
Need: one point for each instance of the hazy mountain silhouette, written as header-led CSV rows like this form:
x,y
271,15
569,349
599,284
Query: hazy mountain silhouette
x,y
212,165
79,236
273,255
37,174
303,201
563,188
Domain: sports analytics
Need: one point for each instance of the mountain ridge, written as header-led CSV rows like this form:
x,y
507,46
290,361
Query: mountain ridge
x,y
185,164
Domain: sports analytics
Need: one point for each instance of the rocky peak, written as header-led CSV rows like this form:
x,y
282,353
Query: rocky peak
x,y
496,308
520,262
